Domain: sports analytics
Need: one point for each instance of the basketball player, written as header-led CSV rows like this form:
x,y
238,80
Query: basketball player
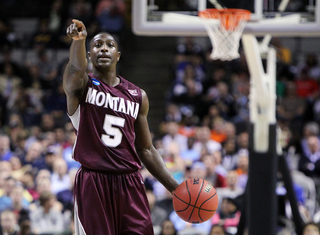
x,y
109,114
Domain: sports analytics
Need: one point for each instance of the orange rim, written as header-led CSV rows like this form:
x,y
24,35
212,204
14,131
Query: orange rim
x,y
229,18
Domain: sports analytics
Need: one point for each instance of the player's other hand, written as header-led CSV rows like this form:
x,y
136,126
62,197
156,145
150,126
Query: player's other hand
x,y
77,30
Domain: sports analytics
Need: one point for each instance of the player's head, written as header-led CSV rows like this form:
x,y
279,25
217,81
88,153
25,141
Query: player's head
x,y
103,51
311,228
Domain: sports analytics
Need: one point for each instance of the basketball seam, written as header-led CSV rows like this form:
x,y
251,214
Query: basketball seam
x,y
196,200
205,202
188,203
193,205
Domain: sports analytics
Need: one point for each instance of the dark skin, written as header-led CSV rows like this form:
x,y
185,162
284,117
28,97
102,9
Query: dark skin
x,y
104,56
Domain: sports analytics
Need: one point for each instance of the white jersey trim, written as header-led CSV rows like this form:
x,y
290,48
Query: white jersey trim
x,y
75,118
79,230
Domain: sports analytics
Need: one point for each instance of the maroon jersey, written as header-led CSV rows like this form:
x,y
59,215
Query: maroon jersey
x,y
104,122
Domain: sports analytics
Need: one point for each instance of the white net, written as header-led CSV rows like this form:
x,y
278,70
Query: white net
x,y
225,37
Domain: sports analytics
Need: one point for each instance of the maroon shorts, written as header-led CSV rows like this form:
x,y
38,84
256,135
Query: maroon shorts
x,y
111,204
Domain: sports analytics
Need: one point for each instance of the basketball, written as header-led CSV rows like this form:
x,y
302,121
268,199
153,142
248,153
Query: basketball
x,y
195,200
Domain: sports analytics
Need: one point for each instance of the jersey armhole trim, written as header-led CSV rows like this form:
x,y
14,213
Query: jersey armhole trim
x,y
75,118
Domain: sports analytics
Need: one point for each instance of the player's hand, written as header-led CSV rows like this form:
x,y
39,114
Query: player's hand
x,y
77,30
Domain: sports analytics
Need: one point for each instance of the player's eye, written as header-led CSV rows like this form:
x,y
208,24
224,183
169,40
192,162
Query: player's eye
x,y
111,44
97,45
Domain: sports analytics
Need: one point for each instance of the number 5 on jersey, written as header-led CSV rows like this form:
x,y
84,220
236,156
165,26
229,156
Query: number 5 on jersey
x,y
114,135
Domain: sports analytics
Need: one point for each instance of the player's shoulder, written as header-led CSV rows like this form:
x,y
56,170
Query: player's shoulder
x,y
131,87
128,84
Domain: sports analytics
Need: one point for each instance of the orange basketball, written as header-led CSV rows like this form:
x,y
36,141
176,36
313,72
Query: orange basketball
x,y
195,200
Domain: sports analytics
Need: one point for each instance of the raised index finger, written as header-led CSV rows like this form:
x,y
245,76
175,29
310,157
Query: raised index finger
x,y
78,23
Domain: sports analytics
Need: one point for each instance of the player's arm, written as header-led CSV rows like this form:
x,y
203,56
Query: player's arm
x,y
149,156
75,77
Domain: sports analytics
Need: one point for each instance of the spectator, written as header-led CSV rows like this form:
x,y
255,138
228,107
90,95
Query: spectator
x,y
34,135
45,219
158,214
228,216
47,122
188,126
242,168
21,102
61,138
16,130
173,135
224,100
18,171
184,227
110,15
81,10
67,152
42,38
291,108
218,130
189,47
9,224
5,152
218,161
309,163
309,129
29,184
49,140
34,156
56,104
188,96
310,65
7,59
60,179
66,196
203,135
24,223
241,105
306,86
199,170
5,200
9,81
7,38
217,229
48,71
212,174
52,155
57,16
15,201
229,154
190,155
243,140
167,228
172,113
43,184
231,190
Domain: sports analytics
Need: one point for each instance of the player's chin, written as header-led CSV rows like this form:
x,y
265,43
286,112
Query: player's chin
x,y
103,64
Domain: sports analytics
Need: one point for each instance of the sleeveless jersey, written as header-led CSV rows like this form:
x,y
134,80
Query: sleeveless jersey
x,y
104,123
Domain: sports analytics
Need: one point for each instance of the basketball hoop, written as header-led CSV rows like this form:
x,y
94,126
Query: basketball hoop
x,y
225,36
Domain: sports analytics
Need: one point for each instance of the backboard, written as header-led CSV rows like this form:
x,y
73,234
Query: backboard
x,y
289,18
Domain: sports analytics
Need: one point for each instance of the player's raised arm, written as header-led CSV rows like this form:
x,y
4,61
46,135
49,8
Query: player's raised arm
x,y
75,77
149,156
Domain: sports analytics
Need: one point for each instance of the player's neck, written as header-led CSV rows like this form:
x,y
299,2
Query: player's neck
x,y
108,76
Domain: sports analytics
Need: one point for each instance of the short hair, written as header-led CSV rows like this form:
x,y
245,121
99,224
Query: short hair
x,y
311,223
45,196
103,32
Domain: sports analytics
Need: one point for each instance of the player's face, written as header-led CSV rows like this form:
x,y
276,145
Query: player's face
x,y
104,51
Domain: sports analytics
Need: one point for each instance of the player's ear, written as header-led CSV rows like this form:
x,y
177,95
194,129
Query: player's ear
x,y
118,57
89,55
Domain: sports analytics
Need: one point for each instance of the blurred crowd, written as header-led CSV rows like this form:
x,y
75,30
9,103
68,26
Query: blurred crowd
x,y
203,133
